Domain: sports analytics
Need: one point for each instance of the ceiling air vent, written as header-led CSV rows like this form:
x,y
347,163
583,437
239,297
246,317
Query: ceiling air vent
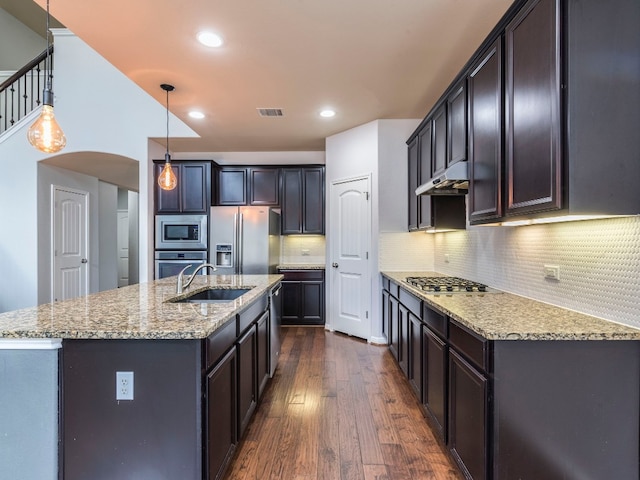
x,y
270,112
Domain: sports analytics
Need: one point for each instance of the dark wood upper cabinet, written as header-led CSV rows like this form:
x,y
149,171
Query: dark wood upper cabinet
x,y
439,159
414,169
532,100
232,186
485,136
425,150
303,200
193,192
447,212
264,186
313,198
291,200
457,124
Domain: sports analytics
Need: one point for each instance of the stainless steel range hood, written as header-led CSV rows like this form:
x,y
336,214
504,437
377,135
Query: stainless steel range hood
x,y
454,181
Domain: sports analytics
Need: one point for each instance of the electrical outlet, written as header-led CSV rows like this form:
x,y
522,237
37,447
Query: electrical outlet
x,y
124,385
446,258
305,252
552,272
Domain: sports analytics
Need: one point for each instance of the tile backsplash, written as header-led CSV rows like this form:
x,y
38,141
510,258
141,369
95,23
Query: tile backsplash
x,y
599,263
404,251
302,249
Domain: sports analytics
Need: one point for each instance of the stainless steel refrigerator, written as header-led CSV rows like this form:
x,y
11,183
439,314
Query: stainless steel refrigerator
x,y
244,240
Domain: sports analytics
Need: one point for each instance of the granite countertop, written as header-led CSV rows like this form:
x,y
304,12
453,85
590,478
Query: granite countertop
x,y
136,312
504,316
301,266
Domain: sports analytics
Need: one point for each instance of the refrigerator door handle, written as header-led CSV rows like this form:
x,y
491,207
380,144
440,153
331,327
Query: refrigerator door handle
x,y
240,243
235,243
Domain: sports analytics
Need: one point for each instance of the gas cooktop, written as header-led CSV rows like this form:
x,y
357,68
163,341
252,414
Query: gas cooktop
x,y
448,285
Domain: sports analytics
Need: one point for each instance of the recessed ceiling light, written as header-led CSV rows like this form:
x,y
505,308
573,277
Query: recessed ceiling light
x,y
210,39
196,114
328,113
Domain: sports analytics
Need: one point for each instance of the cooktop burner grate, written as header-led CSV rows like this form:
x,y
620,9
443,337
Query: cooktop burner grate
x,y
447,285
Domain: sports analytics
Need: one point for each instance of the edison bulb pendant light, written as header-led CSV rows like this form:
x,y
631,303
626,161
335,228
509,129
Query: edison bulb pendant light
x,y
167,179
45,134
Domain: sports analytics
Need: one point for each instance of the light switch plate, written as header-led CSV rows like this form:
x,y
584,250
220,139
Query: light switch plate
x,y
552,272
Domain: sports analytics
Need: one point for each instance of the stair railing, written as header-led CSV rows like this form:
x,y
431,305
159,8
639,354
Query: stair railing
x,y
21,93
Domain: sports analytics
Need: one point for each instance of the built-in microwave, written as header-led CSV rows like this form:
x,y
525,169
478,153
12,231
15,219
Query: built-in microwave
x,y
181,232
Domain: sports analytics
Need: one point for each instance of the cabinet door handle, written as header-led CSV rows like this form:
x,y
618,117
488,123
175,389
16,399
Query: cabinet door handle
x,y
84,260
334,265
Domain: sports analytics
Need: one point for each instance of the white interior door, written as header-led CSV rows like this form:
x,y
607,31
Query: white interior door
x,y
350,244
123,248
70,252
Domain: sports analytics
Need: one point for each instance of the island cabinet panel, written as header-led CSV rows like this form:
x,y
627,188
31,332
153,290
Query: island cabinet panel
x,y
221,415
566,409
533,152
105,438
247,348
263,354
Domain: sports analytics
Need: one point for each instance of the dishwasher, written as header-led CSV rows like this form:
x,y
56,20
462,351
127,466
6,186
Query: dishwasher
x,y
275,308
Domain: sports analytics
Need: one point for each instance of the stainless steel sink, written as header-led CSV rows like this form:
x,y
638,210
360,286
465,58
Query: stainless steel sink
x,y
214,295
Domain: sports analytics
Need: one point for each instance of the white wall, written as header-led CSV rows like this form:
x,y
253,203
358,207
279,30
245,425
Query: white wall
x,y
48,176
85,83
18,43
134,239
377,149
108,236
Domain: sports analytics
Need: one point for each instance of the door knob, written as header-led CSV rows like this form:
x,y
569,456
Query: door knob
x,y
84,260
334,265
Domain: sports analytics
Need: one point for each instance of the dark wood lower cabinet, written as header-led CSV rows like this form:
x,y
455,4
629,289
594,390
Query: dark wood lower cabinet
x,y
303,297
414,359
394,329
468,417
435,354
221,392
522,409
403,330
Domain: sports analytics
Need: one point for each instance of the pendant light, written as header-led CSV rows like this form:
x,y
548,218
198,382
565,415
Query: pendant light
x,y
45,133
167,179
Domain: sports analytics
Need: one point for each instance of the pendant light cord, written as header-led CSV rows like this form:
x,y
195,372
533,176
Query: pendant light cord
x,y
167,155
47,65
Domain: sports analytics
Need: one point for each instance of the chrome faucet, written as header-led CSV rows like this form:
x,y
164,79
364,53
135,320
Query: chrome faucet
x,y
182,285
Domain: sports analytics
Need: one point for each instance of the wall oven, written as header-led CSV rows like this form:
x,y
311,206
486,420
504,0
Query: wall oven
x,y
181,232
171,263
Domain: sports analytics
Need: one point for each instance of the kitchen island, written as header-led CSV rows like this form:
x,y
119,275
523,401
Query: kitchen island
x,y
516,388
198,370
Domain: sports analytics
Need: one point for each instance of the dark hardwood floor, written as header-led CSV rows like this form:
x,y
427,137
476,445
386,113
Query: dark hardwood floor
x,y
338,409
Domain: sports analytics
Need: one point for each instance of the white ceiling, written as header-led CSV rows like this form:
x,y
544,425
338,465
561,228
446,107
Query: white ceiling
x,y
368,59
